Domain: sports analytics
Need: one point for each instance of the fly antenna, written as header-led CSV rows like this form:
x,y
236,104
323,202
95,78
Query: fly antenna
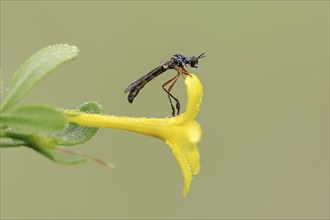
x,y
201,56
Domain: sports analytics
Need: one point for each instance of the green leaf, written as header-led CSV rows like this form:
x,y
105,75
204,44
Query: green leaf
x,y
35,118
75,134
7,142
36,68
34,140
43,144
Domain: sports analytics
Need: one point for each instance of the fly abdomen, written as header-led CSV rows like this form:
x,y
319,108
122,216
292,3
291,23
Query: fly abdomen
x,y
137,85
132,94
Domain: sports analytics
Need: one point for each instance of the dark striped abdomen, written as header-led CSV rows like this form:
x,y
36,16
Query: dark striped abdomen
x,y
137,85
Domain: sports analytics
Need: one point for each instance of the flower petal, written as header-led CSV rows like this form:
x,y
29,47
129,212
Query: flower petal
x,y
192,155
194,93
181,133
183,142
184,165
188,159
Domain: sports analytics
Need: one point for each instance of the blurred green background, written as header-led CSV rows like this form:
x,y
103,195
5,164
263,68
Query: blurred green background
x,y
264,151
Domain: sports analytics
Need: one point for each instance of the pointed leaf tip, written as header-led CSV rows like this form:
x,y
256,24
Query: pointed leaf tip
x,y
36,68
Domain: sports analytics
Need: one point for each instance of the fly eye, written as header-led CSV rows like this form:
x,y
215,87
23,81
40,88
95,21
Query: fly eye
x,y
193,62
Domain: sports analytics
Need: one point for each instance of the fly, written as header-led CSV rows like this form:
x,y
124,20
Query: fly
x,y
179,63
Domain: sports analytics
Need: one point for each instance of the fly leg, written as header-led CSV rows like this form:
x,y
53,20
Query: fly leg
x,y
175,78
169,90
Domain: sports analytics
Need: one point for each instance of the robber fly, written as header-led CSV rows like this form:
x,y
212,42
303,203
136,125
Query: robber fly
x,y
177,62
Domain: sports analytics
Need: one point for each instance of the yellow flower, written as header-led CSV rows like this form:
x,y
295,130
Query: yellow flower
x,y
181,133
